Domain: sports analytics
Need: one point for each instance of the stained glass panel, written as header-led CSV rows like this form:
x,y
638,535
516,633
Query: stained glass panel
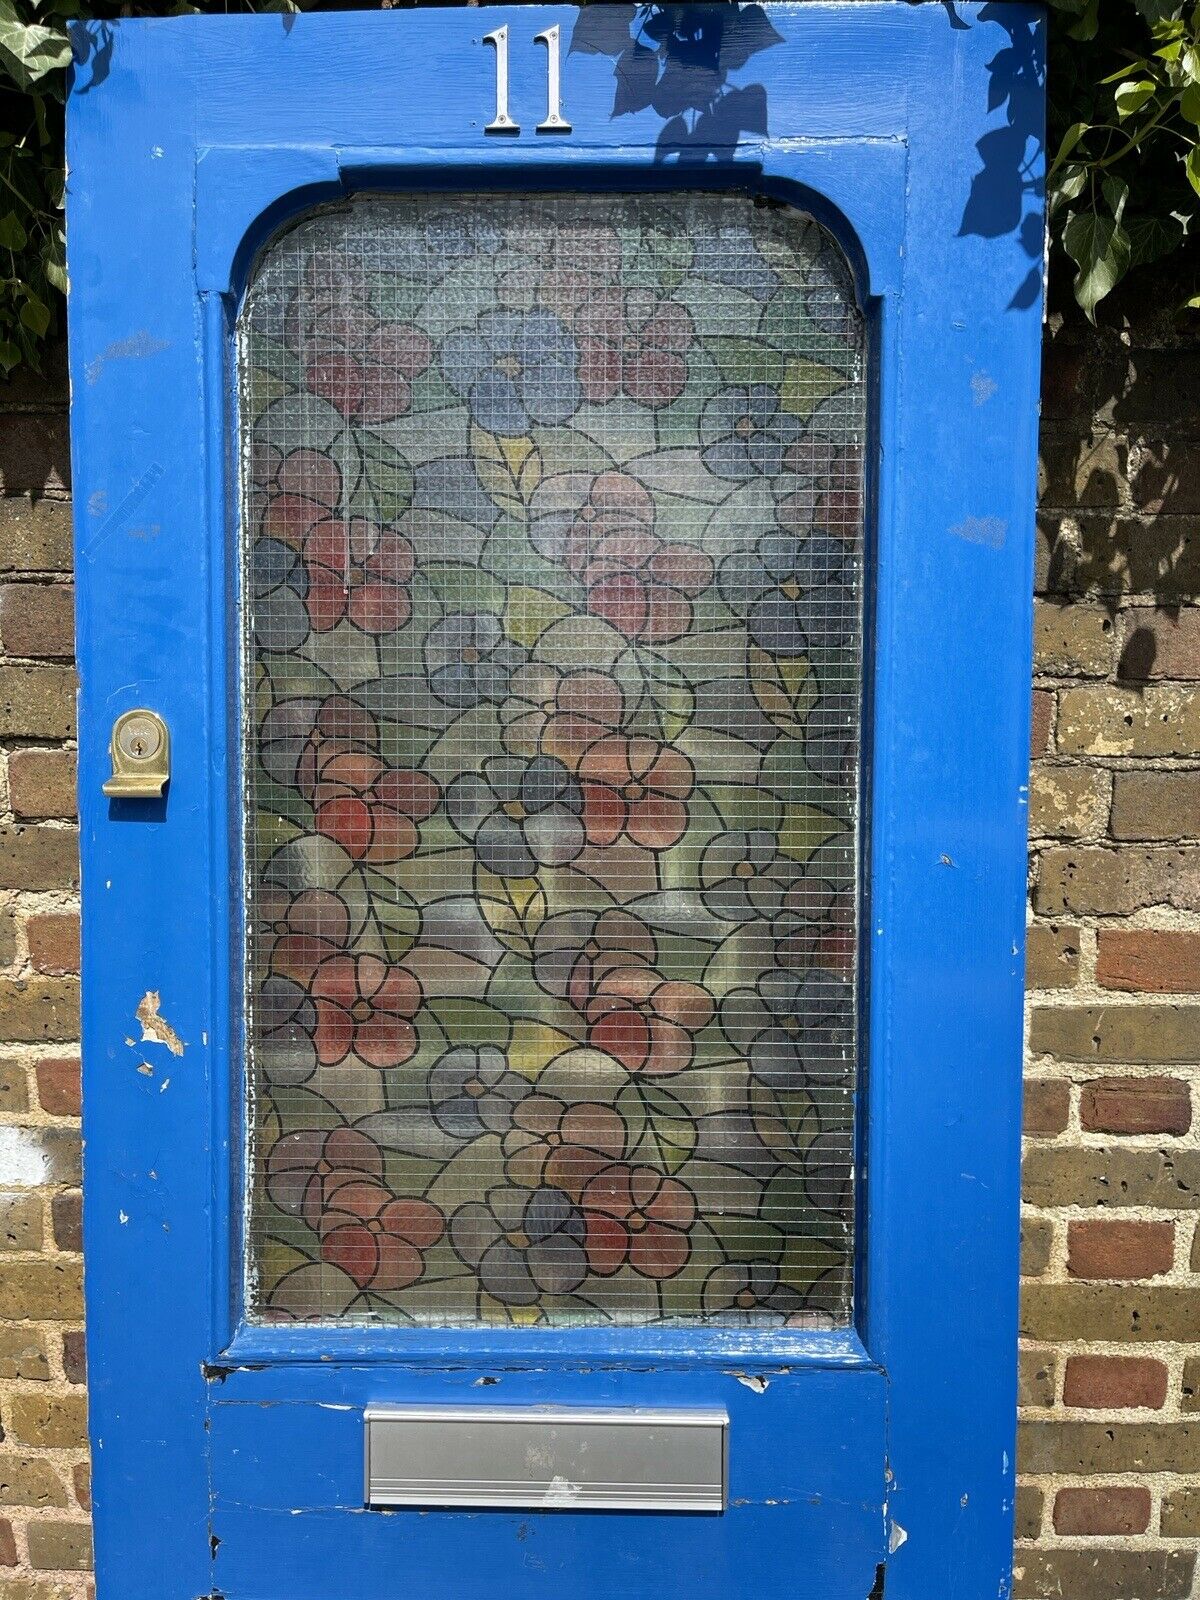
x,y
553,566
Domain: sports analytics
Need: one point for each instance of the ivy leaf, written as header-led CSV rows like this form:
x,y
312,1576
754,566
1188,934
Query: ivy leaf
x,y
1069,184
29,51
1088,23
1151,238
1116,192
1192,167
12,232
1099,247
1189,104
1124,71
1156,12
1068,142
34,314
52,262
1132,95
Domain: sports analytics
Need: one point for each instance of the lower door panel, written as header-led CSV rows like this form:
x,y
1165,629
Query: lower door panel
x,y
805,1515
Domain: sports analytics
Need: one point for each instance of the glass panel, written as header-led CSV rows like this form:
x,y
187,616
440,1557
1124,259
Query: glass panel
x,y
553,663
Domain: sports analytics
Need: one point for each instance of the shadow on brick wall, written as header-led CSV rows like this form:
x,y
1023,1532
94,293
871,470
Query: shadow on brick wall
x,y
1119,495
35,456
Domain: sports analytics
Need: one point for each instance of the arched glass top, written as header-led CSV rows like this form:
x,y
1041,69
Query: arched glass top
x,y
553,548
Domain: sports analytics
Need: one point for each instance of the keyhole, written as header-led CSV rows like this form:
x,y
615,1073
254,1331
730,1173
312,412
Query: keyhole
x,y
139,739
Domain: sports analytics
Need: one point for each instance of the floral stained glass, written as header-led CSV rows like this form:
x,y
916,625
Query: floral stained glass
x,y
553,561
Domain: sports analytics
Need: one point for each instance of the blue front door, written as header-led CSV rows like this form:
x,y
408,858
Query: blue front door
x,y
548,1150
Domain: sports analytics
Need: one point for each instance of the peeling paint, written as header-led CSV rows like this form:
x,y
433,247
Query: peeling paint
x,y
155,1028
752,1380
896,1538
983,387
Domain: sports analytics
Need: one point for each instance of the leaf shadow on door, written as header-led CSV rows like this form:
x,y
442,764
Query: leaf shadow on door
x,y
675,60
1008,190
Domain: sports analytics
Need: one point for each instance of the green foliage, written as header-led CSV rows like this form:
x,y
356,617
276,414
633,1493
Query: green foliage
x,y
1124,135
1124,181
35,51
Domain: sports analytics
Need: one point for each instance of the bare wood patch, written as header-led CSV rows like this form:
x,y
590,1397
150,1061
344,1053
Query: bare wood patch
x,y
155,1028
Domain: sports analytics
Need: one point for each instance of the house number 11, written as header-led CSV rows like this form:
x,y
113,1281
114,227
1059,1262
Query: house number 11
x,y
555,122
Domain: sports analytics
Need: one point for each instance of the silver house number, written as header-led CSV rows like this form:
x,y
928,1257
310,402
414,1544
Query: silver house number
x,y
554,121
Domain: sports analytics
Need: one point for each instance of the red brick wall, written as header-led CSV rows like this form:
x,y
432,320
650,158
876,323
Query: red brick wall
x,y
1109,1461
44,1535
1109,1500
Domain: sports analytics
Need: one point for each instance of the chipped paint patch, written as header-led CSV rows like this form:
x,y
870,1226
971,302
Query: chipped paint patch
x,y
896,1538
752,1380
155,1028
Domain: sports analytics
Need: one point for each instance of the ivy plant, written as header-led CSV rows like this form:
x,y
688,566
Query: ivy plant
x,y
1123,188
35,53
1124,176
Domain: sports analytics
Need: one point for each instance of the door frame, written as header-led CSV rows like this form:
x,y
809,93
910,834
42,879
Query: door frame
x,y
855,188
225,133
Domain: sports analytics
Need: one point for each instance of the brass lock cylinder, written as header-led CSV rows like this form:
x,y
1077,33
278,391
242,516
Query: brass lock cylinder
x,y
140,749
